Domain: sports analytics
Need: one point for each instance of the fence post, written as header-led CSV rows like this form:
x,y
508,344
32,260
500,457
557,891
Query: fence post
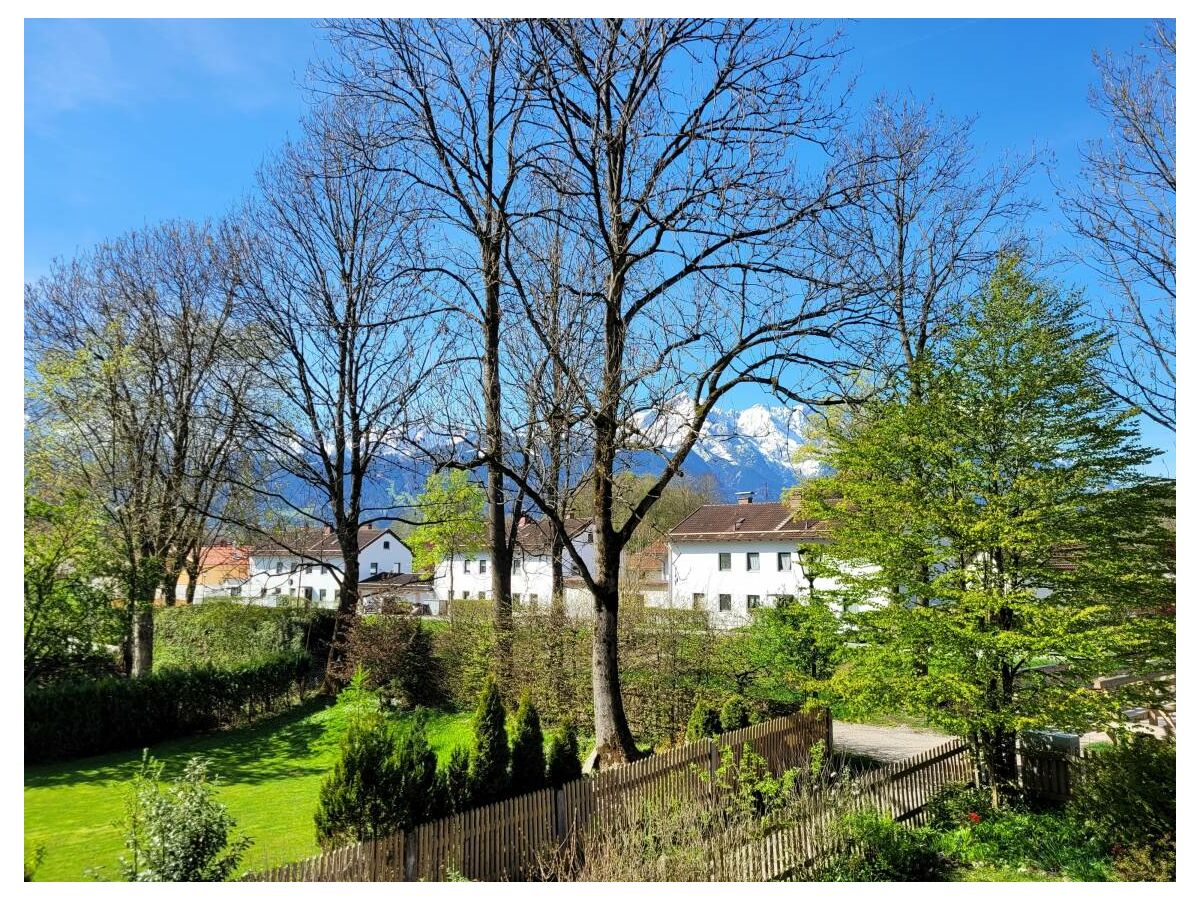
x,y
410,857
560,816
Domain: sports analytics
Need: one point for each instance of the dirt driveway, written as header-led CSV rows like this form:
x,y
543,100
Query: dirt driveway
x,y
887,743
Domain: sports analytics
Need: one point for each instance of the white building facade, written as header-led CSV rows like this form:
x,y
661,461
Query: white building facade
x,y
279,575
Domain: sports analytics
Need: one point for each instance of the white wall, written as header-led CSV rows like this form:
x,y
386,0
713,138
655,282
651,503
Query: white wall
x,y
298,575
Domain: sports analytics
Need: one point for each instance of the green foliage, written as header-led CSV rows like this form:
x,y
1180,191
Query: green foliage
x,y
562,762
528,753
79,718
958,805
397,654
751,790
792,649
357,799
1146,862
881,849
705,722
415,786
225,634
454,781
180,832
69,621
452,506
734,714
990,512
1009,836
1127,795
489,756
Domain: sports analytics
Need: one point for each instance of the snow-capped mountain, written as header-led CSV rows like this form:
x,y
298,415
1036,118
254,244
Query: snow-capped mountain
x,y
750,449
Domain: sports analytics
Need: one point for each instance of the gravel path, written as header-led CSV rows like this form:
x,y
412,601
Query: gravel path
x,y
888,743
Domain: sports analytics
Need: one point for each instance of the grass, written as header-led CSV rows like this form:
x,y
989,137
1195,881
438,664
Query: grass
x,y
989,872
271,773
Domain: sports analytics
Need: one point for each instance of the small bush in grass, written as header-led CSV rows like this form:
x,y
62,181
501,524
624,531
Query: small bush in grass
x,y
562,762
415,787
880,849
1147,862
455,781
397,652
704,722
356,801
734,714
1049,841
957,805
489,758
1127,795
528,753
180,832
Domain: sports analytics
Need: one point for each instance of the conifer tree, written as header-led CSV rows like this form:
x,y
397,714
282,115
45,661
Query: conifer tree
x,y
734,714
562,763
489,759
415,796
705,721
528,753
454,782
356,799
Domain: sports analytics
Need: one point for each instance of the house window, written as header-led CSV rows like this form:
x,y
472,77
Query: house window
x,y
321,595
308,569
516,565
699,601
724,602
308,594
784,561
374,568
277,592
396,568
466,595
278,568
517,599
590,536
482,595
533,599
482,566
751,562
387,545
466,564
263,593
752,601
724,562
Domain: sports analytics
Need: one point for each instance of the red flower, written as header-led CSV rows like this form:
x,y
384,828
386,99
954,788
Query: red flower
x,y
974,818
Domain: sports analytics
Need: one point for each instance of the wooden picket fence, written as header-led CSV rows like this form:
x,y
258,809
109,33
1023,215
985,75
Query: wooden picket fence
x,y
503,840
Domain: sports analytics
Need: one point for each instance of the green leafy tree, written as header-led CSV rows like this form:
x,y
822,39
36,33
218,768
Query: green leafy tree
x,y
452,508
792,649
356,800
528,753
562,762
455,781
997,521
179,832
734,714
705,721
489,758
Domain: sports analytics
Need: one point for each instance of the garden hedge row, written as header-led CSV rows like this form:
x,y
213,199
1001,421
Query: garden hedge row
x,y
227,634
81,718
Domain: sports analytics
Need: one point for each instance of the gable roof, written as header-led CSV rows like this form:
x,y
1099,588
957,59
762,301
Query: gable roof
x,y
316,542
537,536
746,522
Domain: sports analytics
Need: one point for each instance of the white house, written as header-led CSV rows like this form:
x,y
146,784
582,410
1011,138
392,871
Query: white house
x,y
730,558
469,576
312,574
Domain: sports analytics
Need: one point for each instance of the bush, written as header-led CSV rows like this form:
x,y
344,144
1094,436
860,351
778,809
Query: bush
x,y
489,759
1148,862
1049,841
180,833
454,782
226,634
958,805
734,714
416,797
397,654
704,723
356,798
69,719
880,849
528,752
1127,795
562,763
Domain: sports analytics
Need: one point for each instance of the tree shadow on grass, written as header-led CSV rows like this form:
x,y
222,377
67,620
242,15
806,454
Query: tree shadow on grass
x,y
294,743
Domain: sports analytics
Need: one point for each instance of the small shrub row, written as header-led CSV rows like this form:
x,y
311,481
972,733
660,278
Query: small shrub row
x,y
80,718
706,722
226,634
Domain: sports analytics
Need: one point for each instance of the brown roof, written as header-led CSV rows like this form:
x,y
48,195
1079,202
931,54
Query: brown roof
x,y
746,522
315,542
537,536
389,580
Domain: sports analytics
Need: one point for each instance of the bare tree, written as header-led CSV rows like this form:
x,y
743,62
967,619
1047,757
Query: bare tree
x,y
348,340
1124,214
676,145
455,100
139,384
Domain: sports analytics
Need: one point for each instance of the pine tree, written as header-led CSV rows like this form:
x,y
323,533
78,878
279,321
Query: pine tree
x,y
489,759
356,799
454,782
528,753
997,520
704,722
734,714
562,763
415,796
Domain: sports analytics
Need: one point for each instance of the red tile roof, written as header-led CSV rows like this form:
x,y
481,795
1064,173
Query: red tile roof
x,y
746,522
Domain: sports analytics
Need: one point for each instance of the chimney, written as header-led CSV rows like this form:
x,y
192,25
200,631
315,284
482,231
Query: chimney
x,y
328,530
745,498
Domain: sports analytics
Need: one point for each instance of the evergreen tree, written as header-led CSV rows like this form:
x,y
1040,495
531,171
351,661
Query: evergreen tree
x,y
416,797
734,714
528,753
705,721
454,782
356,798
489,759
995,521
562,763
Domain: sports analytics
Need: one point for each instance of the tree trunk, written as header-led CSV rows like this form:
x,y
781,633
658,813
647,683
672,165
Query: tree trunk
x,y
347,611
142,662
614,740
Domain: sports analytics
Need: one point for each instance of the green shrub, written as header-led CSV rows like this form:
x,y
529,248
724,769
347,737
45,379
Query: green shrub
x,y
356,798
1146,862
226,634
734,714
704,723
180,832
528,753
455,782
489,758
397,654
957,805
1127,795
880,849
416,795
1049,841
69,719
562,762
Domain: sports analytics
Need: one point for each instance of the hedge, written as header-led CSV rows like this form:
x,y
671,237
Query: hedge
x,y
227,634
81,718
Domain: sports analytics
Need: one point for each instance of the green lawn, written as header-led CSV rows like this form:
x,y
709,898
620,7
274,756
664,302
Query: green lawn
x,y
271,775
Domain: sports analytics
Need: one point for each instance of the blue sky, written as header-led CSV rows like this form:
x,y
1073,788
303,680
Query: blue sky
x,y
128,122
